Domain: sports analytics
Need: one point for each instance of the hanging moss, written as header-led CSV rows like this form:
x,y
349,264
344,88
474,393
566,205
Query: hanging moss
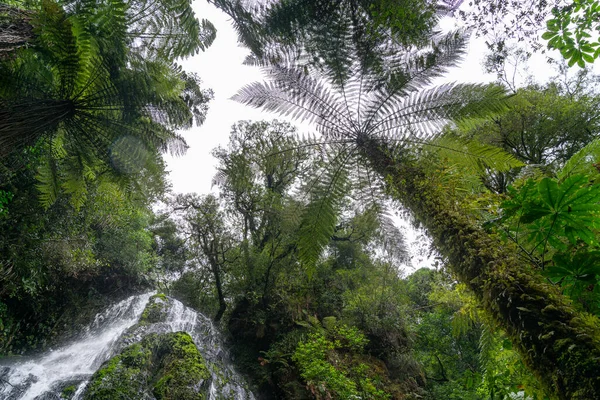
x,y
165,367
558,343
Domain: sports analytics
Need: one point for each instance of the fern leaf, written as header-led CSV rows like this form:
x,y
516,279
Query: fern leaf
x,y
472,156
320,216
47,185
583,161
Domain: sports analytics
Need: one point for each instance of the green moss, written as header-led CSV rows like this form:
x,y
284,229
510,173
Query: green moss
x,y
167,367
556,341
156,310
123,376
182,370
68,392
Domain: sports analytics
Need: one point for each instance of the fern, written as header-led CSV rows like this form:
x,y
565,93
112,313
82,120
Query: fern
x,y
47,182
320,215
353,108
474,156
583,162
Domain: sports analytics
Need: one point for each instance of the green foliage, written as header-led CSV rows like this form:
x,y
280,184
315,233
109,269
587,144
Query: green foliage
x,y
464,355
555,223
5,198
167,366
572,31
322,34
583,162
550,210
331,374
544,127
321,214
99,106
67,258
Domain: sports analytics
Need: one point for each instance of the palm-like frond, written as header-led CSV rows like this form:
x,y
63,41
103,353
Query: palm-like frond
x,y
329,32
584,161
474,157
365,109
321,214
168,29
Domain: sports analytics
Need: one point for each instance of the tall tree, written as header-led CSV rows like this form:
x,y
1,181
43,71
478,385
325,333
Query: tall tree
x,y
324,32
379,123
544,128
212,241
97,106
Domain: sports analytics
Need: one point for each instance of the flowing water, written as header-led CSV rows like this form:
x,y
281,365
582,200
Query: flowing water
x,y
46,376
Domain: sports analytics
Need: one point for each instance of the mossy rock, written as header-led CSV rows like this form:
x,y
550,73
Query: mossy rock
x,y
68,391
163,367
156,310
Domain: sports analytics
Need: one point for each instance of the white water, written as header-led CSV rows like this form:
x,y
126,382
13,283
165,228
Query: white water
x,y
45,377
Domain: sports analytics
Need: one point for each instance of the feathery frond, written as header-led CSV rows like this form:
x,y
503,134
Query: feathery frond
x,y
585,160
362,108
320,216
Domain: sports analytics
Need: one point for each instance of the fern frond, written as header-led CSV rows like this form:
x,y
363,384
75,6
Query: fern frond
x,y
168,29
472,156
393,241
319,219
293,93
47,182
583,162
74,183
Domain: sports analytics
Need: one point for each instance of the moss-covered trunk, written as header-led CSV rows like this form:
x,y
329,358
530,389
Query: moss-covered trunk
x,y
16,29
558,343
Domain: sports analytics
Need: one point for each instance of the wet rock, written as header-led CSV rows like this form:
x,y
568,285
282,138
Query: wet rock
x,y
162,367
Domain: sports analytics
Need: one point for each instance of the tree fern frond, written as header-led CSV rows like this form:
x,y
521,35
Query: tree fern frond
x,y
585,161
299,96
392,239
74,182
417,69
168,29
424,113
47,185
472,156
320,215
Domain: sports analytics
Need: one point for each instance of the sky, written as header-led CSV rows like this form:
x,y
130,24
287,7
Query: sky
x,y
221,70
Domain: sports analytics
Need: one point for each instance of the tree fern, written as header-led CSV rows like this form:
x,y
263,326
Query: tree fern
x,y
352,113
329,33
585,161
168,29
321,213
47,185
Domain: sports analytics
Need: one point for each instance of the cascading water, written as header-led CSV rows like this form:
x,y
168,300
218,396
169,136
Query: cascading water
x,y
46,377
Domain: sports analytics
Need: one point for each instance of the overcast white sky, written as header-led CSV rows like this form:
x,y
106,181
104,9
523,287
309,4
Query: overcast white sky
x,y
221,69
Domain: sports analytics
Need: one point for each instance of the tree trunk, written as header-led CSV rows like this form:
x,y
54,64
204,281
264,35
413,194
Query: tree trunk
x,y
222,303
15,29
558,343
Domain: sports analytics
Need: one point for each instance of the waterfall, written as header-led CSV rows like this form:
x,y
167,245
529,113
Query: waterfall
x,y
46,376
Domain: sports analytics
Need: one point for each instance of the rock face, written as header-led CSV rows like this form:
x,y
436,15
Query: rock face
x,y
147,347
162,366
158,365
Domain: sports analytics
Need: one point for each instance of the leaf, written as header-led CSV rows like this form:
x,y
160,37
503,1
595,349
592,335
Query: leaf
x,y
581,162
531,214
548,190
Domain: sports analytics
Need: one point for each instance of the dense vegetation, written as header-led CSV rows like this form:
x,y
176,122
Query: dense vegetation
x,y
297,256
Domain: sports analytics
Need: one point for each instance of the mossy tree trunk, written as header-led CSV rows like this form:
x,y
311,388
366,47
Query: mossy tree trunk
x,y
559,344
16,29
